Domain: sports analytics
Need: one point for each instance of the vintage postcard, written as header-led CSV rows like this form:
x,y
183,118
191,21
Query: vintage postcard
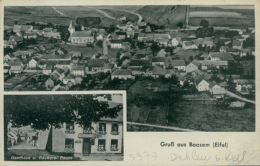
x,y
184,71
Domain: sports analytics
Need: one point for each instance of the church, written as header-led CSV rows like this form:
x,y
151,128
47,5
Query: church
x,y
80,37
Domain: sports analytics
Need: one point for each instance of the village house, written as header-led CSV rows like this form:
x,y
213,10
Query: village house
x,y
122,74
244,85
78,70
176,41
206,64
46,30
50,57
178,65
141,37
213,85
25,28
245,52
9,57
201,84
218,93
30,35
95,66
33,62
159,61
161,53
141,25
121,35
188,45
194,65
237,44
62,64
15,38
10,43
220,56
55,35
47,70
159,72
73,138
108,67
69,78
116,43
162,36
162,42
223,49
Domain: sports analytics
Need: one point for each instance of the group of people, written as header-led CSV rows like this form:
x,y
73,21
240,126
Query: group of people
x,y
32,139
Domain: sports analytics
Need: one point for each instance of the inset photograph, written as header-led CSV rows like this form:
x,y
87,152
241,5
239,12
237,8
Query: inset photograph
x,y
63,127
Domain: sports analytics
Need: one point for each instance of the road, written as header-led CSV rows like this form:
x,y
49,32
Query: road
x,y
163,127
58,11
109,16
238,97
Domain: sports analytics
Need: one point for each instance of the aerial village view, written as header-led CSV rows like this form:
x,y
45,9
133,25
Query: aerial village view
x,y
184,67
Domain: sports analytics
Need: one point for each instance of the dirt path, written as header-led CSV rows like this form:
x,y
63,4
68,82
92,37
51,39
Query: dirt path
x,y
105,14
240,98
58,11
164,127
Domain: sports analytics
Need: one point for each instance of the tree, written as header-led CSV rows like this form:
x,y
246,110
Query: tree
x,y
191,58
140,45
111,29
43,112
118,54
180,25
231,85
204,23
155,48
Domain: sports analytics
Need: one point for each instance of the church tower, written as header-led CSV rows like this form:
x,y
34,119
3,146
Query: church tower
x,y
71,30
105,51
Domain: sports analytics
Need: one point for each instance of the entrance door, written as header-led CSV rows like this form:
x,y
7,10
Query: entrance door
x,y
86,146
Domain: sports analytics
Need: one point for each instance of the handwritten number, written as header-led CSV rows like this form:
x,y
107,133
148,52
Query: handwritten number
x,y
154,156
132,156
138,154
147,155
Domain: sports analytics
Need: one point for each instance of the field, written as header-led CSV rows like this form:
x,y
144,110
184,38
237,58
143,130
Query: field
x,y
22,14
117,14
130,8
216,14
170,15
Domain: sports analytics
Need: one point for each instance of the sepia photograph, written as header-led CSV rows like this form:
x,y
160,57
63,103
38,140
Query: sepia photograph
x,y
63,127
184,67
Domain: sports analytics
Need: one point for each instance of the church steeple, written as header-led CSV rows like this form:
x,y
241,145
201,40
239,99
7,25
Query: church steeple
x,y
71,29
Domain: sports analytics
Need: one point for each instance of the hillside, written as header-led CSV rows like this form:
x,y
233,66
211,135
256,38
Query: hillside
x,y
170,15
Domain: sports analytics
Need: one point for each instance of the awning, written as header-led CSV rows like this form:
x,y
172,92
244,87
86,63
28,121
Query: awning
x,y
82,135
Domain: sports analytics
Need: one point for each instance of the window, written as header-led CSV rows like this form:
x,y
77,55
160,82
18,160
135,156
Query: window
x,y
114,129
114,144
102,126
69,126
87,128
69,143
101,145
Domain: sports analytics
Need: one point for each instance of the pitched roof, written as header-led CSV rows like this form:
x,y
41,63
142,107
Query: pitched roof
x,y
218,91
178,63
163,36
212,84
115,41
139,62
158,71
54,76
60,70
96,62
81,34
16,68
108,66
78,67
221,55
159,59
198,79
63,63
213,63
122,72
237,43
161,52
223,48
